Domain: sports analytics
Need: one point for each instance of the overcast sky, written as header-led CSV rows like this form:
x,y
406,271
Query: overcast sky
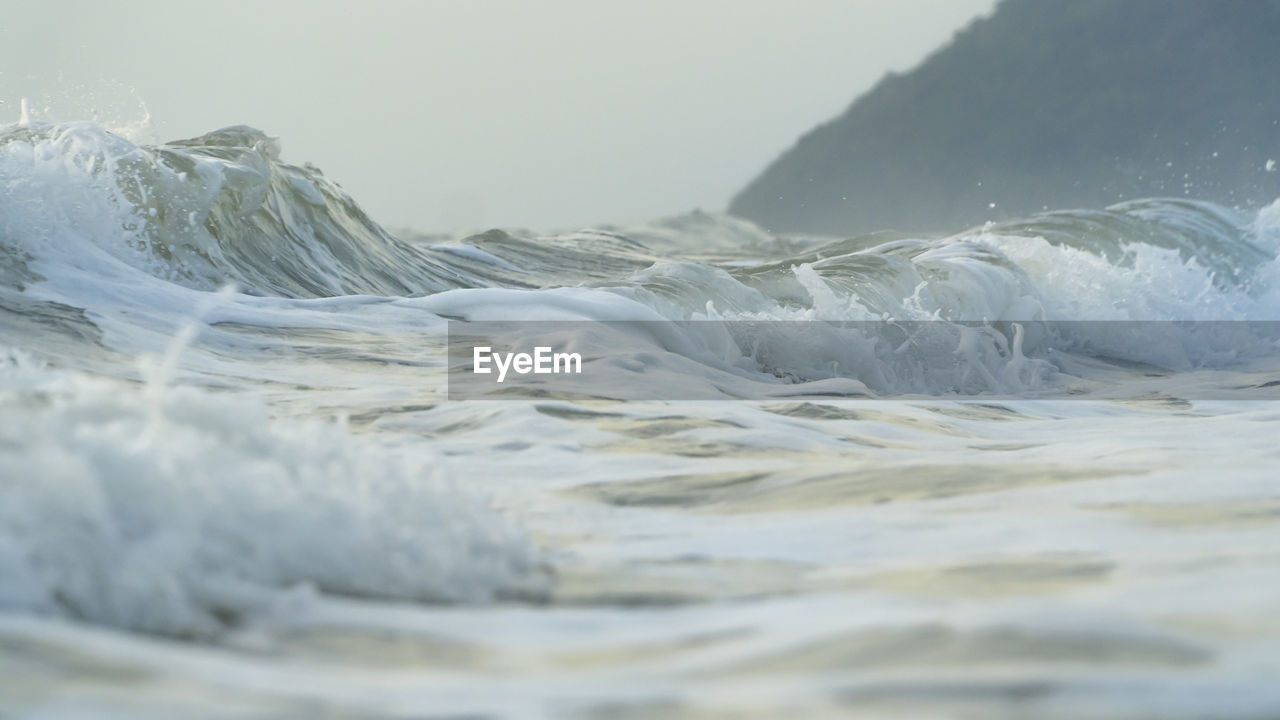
x,y
473,114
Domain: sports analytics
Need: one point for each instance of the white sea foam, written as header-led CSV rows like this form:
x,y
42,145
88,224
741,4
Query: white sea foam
x,y
183,511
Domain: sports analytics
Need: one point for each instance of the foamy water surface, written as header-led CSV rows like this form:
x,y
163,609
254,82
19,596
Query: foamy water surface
x,y
233,484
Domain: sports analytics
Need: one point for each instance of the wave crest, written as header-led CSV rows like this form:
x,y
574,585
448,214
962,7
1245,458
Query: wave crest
x,y
202,212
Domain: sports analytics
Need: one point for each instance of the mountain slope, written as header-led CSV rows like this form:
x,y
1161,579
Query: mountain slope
x,y
1047,103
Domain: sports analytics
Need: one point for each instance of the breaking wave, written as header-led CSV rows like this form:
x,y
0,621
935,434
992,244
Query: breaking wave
x,y
87,209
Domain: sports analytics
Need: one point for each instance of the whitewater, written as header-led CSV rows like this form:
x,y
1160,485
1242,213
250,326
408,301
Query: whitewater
x,y
234,482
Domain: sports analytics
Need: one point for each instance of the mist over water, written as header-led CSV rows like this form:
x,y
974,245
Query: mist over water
x,y
452,116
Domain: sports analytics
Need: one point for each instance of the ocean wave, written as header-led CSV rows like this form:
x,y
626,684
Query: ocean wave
x,y
183,512
202,212
86,209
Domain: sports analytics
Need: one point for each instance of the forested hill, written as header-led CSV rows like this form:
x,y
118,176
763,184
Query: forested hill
x,y
1047,103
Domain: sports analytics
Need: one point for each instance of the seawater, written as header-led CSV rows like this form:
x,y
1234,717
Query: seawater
x,y
232,482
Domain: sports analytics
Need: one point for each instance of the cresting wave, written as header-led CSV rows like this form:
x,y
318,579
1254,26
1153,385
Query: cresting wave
x,y
224,208
204,212
85,207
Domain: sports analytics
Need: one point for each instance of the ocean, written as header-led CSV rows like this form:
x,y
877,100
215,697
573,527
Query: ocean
x,y
238,478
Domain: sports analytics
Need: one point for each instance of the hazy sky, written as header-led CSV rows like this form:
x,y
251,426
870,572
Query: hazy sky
x,y
458,115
